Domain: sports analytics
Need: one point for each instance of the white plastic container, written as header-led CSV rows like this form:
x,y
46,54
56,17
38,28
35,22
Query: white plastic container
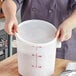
x,y
36,48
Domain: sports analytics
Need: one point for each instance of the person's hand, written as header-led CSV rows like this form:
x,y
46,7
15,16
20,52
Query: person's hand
x,y
64,31
11,26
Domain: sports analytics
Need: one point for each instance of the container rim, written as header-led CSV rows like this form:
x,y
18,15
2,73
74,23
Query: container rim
x,y
32,43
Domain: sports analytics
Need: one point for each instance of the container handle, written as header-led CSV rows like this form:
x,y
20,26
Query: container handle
x,y
58,44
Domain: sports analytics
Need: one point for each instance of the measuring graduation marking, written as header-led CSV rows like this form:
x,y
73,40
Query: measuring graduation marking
x,y
36,57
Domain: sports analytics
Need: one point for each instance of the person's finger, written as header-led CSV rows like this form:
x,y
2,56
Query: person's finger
x,y
67,37
10,30
16,28
61,35
13,30
57,33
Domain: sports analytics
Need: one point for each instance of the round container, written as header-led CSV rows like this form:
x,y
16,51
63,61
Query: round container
x,y
36,48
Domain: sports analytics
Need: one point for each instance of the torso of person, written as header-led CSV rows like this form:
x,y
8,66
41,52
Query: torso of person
x,y
55,12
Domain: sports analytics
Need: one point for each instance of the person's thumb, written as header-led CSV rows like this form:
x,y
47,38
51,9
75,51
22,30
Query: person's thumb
x,y
58,33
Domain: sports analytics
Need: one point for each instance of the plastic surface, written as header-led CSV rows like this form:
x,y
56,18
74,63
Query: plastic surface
x,y
71,66
70,69
68,73
36,47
